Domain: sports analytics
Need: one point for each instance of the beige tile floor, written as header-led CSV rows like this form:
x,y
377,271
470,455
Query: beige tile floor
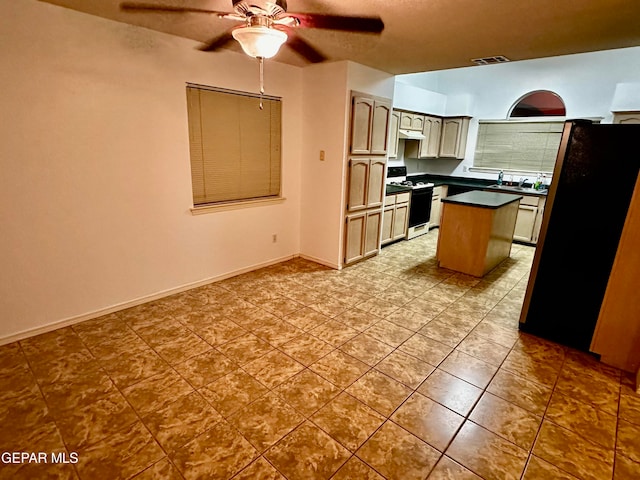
x,y
390,369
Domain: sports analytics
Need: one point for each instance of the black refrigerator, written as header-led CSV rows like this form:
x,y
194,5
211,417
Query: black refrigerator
x,y
587,204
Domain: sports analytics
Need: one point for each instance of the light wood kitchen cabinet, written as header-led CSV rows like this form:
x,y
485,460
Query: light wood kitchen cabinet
x,y
370,125
354,239
362,235
626,117
430,146
406,121
361,118
436,205
394,125
366,183
395,217
418,122
380,127
358,179
525,222
453,140
386,234
529,219
411,121
375,182
366,169
400,220
372,233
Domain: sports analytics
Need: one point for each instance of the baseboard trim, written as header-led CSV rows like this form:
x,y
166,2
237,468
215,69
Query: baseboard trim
x,y
311,258
32,332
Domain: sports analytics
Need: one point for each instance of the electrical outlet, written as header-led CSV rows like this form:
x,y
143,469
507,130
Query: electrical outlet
x,y
465,168
274,238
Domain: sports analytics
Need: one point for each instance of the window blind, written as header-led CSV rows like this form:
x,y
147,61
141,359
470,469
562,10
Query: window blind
x,y
235,146
519,146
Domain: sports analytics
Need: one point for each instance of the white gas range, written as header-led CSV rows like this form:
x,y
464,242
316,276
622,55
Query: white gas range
x,y
420,206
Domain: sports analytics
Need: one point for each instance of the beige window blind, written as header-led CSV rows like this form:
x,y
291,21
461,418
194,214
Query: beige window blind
x,y
234,145
519,146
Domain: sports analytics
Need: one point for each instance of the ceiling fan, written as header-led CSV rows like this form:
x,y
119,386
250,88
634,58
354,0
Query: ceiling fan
x,y
268,26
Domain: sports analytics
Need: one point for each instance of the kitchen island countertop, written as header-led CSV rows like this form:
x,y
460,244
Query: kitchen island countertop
x,y
482,199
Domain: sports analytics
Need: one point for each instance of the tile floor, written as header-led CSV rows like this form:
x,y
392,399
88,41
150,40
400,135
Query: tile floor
x,y
390,369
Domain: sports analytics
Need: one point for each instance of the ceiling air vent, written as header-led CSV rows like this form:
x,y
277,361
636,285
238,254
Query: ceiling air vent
x,y
490,60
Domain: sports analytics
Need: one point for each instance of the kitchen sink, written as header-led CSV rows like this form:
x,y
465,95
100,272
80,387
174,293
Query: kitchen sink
x,y
516,189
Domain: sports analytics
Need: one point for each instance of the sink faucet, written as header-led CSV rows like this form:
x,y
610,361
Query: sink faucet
x,y
521,182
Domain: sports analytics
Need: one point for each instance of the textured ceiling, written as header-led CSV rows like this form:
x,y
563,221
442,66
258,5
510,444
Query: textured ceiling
x,y
420,35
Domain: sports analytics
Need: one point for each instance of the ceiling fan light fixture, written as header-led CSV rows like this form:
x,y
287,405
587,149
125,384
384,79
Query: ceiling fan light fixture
x,y
259,41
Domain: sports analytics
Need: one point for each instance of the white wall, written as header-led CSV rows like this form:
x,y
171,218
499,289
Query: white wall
x,y
94,157
586,82
626,97
325,122
418,99
369,80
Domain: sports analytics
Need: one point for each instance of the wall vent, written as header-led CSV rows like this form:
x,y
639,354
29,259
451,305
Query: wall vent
x,y
490,60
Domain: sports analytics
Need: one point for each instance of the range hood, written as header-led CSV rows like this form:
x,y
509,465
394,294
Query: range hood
x,y
410,135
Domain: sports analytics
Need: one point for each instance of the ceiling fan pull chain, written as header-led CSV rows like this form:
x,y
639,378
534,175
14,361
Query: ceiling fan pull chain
x,y
261,61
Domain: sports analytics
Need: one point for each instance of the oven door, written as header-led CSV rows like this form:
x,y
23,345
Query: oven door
x,y
420,209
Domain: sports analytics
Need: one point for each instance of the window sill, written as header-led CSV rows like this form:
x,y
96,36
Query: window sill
x,y
222,207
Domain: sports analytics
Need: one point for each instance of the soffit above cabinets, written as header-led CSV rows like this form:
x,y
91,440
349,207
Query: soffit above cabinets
x,y
419,35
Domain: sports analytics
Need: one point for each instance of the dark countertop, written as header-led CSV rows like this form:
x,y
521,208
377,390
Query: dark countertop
x,y
478,198
476,183
438,180
393,189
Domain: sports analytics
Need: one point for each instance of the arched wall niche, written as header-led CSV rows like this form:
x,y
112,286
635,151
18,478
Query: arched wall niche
x,y
539,103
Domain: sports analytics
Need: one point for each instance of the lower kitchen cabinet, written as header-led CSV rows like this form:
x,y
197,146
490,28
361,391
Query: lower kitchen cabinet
x,y
436,205
395,217
387,224
362,235
525,223
400,220
529,219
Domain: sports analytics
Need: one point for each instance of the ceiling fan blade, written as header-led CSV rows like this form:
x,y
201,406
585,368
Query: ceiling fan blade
x,y
217,42
337,22
151,7
304,48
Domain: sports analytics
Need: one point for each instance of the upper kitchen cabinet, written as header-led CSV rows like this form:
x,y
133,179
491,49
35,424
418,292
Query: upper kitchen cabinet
x,y
626,117
443,137
453,140
370,125
394,125
362,116
411,121
429,147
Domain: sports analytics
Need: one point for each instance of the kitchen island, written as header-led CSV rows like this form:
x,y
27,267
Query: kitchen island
x,y
476,231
